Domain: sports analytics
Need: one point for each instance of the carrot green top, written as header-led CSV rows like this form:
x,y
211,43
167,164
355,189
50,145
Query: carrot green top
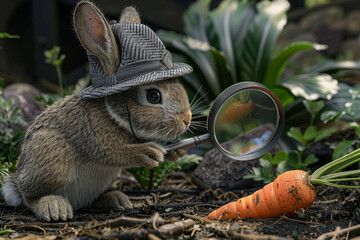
x,y
332,171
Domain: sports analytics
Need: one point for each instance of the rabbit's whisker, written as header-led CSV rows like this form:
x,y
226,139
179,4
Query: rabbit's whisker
x,y
198,116
200,100
160,130
199,125
197,92
197,104
190,131
199,109
166,135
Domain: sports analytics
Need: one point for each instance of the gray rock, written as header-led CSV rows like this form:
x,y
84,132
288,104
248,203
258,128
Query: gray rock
x,y
219,171
352,23
350,50
24,96
331,16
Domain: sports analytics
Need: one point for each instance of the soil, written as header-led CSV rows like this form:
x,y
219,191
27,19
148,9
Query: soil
x,y
177,200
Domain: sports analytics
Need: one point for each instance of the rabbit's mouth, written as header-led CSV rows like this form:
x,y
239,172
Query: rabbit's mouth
x,y
171,130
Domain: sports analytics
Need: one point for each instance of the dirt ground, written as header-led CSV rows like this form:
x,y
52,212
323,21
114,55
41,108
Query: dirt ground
x,y
176,211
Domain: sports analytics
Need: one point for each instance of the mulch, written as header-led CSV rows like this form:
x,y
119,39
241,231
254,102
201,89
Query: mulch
x,y
176,211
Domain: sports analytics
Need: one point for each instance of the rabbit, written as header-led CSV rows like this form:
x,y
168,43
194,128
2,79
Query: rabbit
x,y
77,147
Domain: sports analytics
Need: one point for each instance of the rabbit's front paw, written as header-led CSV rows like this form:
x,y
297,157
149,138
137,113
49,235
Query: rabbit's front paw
x,y
113,200
175,155
52,208
151,154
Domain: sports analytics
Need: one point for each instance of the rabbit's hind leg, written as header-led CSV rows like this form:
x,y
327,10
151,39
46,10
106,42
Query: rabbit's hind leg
x,y
51,208
113,199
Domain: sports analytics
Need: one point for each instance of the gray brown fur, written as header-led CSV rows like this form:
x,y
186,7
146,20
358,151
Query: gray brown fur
x,y
76,148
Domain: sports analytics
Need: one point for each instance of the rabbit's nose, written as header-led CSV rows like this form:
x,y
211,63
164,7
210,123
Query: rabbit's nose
x,y
187,117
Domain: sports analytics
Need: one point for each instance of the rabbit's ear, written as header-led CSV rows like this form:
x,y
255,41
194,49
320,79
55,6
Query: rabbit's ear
x,y
96,36
129,15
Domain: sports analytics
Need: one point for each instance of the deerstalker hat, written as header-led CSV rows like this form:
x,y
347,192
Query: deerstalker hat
x,y
144,60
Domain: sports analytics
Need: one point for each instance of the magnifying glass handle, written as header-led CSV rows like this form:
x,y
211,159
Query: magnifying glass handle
x,y
189,142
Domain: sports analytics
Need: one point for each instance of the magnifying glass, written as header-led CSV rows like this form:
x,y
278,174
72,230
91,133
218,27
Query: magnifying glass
x,y
244,122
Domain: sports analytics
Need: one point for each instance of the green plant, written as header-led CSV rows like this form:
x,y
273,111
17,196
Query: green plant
x,y
332,173
350,112
271,167
10,115
54,58
310,136
236,42
152,178
7,35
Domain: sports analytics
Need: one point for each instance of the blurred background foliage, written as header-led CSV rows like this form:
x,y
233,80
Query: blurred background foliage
x,y
304,51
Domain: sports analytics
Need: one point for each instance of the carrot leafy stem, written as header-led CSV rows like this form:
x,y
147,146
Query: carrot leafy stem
x,y
332,171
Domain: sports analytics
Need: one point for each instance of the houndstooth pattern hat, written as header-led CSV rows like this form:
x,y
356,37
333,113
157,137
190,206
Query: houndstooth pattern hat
x,y
144,59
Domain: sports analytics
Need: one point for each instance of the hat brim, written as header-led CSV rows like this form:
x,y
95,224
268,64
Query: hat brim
x,y
178,69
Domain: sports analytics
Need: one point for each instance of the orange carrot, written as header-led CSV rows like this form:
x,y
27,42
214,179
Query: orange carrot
x,y
290,192
236,111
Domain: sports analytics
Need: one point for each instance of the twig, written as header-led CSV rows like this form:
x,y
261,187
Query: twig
x,y
193,191
338,232
176,227
153,237
347,234
129,221
190,204
295,220
26,226
326,202
201,219
208,205
172,214
237,235
132,234
350,196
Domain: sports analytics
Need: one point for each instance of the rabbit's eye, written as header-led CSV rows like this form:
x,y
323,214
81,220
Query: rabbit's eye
x,y
153,96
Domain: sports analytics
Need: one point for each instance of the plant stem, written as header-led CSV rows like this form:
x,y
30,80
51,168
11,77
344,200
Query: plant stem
x,y
331,172
60,78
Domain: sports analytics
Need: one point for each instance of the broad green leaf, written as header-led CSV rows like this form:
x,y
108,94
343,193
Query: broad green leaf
x,y
279,157
342,149
310,133
222,69
196,20
267,156
223,23
284,94
198,52
312,86
313,107
260,39
282,167
330,115
278,63
296,134
338,101
323,134
334,66
310,160
276,20
293,159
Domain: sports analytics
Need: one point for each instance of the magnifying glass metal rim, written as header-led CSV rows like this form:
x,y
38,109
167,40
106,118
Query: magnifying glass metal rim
x,y
223,97
210,135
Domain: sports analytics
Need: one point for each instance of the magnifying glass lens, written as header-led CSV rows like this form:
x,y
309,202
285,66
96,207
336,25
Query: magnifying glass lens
x,y
246,122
